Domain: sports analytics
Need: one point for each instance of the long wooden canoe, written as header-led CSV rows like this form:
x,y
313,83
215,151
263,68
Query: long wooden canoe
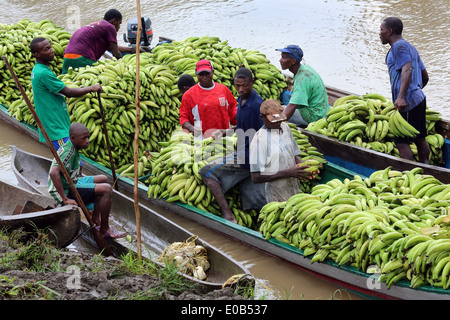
x,y
346,276
21,209
365,161
157,231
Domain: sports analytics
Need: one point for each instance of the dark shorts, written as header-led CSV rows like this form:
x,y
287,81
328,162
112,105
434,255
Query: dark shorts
x,y
417,118
229,174
86,189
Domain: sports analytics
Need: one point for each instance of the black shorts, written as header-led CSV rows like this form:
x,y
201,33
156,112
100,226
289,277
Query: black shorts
x,y
417,118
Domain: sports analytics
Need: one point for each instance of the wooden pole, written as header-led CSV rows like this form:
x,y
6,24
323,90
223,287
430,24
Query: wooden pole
x,y
136,134
105,133
97,236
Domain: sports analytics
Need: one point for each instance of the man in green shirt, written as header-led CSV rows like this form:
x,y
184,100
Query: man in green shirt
x,y
49,94
309,95
94,190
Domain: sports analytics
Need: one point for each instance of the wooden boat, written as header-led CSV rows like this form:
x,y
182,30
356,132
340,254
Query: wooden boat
x,y
157,231
365,161
346,276
22,209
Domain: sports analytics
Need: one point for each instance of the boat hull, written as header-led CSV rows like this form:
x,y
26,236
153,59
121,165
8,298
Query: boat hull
x,y
365,161
62,224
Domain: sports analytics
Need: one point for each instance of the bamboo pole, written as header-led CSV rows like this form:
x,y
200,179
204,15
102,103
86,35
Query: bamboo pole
x,y
105,132
136,134
97,236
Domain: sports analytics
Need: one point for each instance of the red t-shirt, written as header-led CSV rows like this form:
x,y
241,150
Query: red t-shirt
x,y
209,108
93,40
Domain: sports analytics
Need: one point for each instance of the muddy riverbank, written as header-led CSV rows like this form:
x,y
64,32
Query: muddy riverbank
x,y
38,271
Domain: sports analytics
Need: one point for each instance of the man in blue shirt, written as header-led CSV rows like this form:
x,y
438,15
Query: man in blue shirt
x,y
408,76
223,174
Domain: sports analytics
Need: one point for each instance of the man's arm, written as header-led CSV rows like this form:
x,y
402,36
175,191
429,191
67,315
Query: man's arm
x,y
197,131
78,92
405,81
425,78
290,109
114,48
55,175
293,172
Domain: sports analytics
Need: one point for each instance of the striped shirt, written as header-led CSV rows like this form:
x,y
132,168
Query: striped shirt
x,y
71,160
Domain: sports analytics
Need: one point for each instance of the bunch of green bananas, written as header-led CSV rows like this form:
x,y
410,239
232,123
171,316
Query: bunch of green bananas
x,y
182,57
15,46
372,122
158,116
174,174
395,221
309,155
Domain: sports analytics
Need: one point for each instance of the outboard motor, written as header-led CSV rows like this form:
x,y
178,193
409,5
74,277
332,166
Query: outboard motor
x,y
132,28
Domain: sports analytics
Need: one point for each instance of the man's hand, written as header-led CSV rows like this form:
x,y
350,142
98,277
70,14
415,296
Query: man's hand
x,y
219,133
400,103
299,172
197,131
96,88
68,201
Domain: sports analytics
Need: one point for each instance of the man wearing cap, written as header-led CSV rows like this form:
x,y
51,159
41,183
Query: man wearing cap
x,y
207,106
309,95
275,155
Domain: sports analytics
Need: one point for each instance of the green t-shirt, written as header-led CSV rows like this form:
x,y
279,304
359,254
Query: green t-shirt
x,y
310,94
51,106
71,160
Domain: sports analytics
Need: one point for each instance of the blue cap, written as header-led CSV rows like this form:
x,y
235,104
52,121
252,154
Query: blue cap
x,y
294,51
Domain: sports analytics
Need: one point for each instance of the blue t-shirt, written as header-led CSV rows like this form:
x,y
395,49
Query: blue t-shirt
x,y
249,122
401,53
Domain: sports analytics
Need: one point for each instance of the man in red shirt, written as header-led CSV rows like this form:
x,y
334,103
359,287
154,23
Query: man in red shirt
x,y
207,106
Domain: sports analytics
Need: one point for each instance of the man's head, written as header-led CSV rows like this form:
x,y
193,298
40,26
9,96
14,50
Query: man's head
x,y
390,27
272,113
243,82
185,82
79,135
42,49
114,17
205,72
290,55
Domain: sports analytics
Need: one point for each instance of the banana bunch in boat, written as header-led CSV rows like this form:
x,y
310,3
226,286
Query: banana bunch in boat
x,y
182,57
393,223
309,155
15,46
159,101
174,175
372,122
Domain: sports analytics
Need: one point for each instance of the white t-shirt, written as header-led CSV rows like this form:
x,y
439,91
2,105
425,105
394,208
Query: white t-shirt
x,y
270,152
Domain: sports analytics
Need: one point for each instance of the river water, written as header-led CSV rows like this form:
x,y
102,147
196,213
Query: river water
x,y
339,39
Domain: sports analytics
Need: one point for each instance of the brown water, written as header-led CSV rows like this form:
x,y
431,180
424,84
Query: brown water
x,y
339,39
